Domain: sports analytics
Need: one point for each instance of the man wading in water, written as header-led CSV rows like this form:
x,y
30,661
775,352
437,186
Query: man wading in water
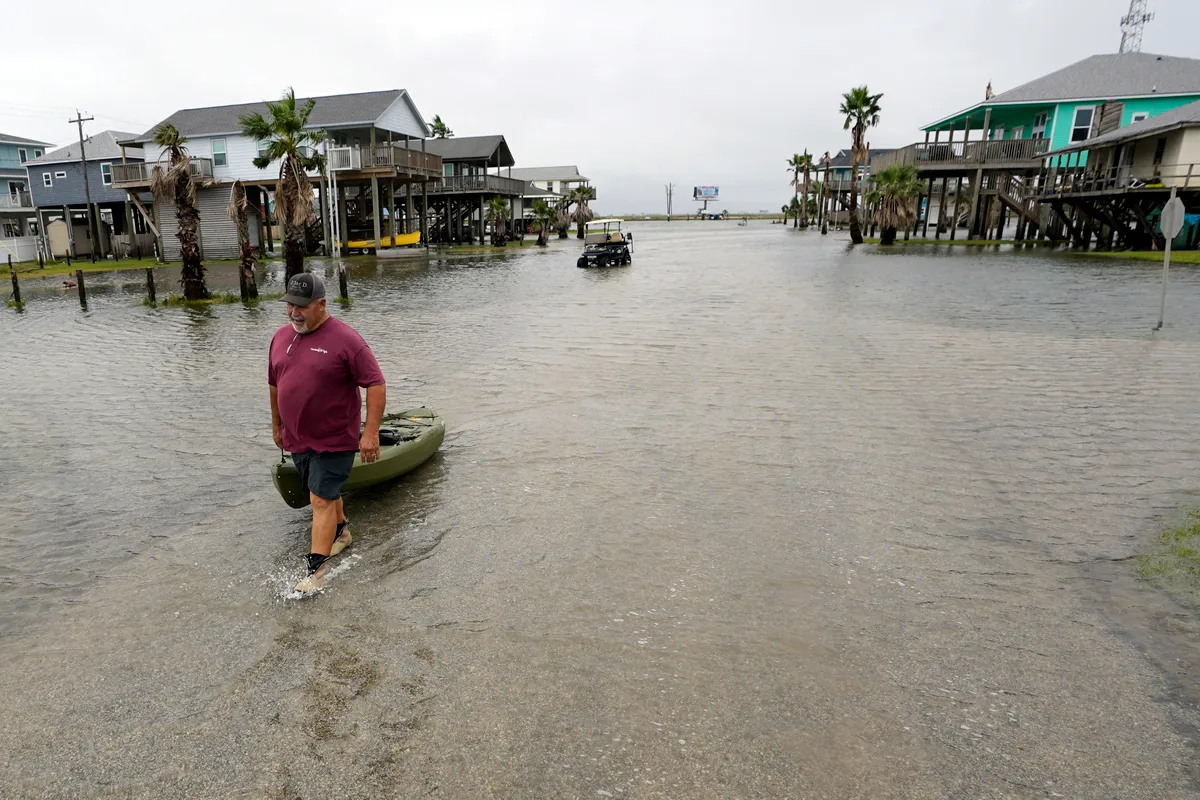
x,y
316,366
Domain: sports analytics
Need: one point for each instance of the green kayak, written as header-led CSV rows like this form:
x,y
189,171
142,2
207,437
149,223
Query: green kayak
x,y
406,441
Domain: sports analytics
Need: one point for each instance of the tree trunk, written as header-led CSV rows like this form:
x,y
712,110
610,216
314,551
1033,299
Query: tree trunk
x,y
293,250
191,276
856,236
579,228
887,235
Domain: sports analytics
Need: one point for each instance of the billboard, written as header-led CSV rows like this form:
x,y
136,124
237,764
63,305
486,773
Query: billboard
x,y
705,192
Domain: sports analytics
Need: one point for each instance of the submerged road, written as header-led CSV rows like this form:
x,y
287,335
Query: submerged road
x,y
756,517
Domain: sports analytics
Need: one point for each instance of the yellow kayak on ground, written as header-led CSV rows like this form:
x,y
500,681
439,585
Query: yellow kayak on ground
x,y
402,240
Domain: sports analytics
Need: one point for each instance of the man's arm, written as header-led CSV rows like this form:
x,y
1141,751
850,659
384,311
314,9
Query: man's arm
x,y
276,420
368,446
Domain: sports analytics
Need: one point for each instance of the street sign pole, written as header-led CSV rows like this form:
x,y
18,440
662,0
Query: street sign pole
x,y
1171,222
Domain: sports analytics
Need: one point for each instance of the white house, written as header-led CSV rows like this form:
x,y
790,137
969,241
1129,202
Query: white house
x,y
367,131
559,180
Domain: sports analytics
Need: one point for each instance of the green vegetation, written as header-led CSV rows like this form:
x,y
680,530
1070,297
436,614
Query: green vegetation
x,y
1174,563
897,190
1177,256
15,304
174,184
219,299
29,269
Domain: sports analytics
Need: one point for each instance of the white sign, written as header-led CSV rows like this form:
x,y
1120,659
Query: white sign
x,y
1172,218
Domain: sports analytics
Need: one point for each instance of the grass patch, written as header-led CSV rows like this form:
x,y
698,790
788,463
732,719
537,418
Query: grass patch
x,y
218,299
1174,561
1177,256
29,269
15,304
966,242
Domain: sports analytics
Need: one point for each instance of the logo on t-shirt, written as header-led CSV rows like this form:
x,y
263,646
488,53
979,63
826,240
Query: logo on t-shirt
x,y
319,350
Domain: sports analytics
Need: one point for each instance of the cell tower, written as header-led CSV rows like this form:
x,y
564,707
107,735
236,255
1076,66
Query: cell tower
x,y
1132,25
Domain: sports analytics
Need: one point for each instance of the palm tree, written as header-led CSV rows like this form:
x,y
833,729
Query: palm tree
x,y
795,209
497,214
562,214
295,149
439,128
862,111
543,220
785,211
582,214
237,212
172,183
897,190
795,165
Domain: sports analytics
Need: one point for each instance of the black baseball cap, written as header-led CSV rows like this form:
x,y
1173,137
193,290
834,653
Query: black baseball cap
x,y
303,288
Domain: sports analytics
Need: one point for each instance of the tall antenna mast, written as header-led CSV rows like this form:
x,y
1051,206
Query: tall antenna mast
x,y
1132,25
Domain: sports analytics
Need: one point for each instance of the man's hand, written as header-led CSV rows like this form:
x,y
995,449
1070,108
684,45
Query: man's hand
x,y
368,447
277,433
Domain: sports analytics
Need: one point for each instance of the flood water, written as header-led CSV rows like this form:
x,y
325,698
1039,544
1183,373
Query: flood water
x,y
754,517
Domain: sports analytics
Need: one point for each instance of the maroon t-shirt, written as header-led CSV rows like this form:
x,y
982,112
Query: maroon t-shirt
x,y
319,401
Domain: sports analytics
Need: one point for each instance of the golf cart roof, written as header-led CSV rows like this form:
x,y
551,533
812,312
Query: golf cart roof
x,y
605,222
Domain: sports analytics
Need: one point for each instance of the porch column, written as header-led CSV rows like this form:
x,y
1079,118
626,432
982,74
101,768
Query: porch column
x,y
987,120
954,215
343,223
408,207
326,222
928,208
482,223
937,234
375,194
424,207
129,230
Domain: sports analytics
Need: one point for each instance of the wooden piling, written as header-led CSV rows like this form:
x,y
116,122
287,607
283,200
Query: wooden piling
x,y
41,261
343,290
82,289
12,273
150,285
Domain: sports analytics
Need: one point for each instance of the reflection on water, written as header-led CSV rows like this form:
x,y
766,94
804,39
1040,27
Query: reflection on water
x,y
754,516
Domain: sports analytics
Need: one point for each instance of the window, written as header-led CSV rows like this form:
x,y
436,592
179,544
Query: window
x,y
106,174
262,149
449,170
1039,126
998,133
1160,150
22,154
549,186
46,181
1081,129
218,151
60,174
1019,132
1139,116
37,153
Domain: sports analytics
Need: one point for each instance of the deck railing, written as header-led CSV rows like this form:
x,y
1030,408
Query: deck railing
x,y
1121,179
496,184
382,156
1005,152
16,200
140,172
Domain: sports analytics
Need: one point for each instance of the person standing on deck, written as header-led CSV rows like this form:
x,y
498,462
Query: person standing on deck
x,y
316,365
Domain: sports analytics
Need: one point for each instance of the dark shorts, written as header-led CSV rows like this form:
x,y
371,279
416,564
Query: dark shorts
x,y
324,473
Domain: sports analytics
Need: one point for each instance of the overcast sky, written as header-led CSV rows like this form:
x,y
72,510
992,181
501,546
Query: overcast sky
x,y
637,93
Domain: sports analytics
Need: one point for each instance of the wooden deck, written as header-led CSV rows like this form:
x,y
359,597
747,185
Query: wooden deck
x,y
479,184
384,160
137,175
952,157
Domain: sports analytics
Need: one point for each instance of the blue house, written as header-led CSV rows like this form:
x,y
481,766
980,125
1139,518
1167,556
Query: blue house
x,y
16,208
57,188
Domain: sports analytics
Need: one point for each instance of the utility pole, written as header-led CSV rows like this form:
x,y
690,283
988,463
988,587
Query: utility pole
x,y
87,193
670,195
1132,25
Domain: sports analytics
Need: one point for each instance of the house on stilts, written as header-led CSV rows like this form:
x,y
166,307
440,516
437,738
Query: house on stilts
x,y
475,170
988,167
375,149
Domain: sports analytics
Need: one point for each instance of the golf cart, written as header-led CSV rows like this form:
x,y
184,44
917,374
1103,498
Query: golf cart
x,y
605,245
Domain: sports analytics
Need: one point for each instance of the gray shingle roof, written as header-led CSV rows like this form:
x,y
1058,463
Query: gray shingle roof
x,y
1182,117
469,148
842,159
7,139
1113,75
99,147
566,172
330,111
534,191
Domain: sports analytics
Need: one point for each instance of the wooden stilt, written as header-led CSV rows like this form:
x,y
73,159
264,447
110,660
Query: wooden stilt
x,y
937,234
928,208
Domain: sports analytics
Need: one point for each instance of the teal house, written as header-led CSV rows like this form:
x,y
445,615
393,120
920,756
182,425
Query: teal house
x,y
1086,99
17,216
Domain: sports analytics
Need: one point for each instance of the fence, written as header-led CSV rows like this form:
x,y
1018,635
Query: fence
x,y
21,248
